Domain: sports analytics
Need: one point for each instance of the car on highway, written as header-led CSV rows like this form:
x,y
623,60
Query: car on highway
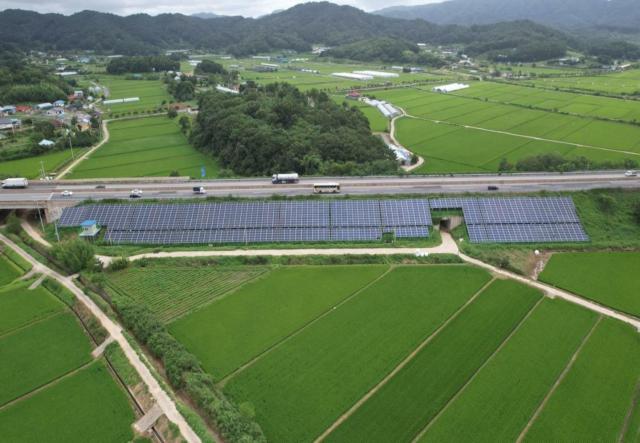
x,y
135,193
492,188
631,174
199,190
67,193
100,187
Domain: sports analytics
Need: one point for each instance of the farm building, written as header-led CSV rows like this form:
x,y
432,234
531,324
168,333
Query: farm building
x,y
403,156
44,106
352,76
89,229
221,88
46,143
450,88
387,109
9,123
380,74
353,95
10,109
58,103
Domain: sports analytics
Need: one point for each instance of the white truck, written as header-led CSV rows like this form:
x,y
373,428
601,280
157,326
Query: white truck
x,y
15,183
278,179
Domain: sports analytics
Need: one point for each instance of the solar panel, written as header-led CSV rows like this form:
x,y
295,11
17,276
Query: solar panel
x,y
520,210
440,204
405,213
409,231
355,213
355,233
527,233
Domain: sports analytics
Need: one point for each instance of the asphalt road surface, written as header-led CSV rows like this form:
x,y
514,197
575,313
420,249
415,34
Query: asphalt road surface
x,y
261,187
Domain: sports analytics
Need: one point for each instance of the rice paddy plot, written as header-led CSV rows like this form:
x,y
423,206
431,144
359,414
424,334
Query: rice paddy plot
x,y
301,387
581,104
624,83
150,146
498,403
592,401
40,353
234,329
20,306
31,167
8,271
609,278
402,407
170,292
150,92
85,406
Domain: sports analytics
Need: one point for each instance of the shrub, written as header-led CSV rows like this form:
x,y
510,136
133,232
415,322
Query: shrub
x,y
635,212
118,264
76,255
13,224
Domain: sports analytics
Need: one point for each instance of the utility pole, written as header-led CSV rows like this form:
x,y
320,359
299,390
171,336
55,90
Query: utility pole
x,y
70,144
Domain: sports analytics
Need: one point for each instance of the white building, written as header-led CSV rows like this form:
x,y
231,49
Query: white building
x,y
352,76
224,89
403,156
380,74
450,88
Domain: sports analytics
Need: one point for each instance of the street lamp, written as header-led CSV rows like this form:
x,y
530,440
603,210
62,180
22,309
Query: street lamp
x,y
70,145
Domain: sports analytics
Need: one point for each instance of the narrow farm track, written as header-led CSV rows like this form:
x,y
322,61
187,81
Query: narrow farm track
x,y
400,366
562,376
157,392
73,164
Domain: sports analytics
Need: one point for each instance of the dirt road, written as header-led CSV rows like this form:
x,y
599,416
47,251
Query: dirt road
x,y
73,164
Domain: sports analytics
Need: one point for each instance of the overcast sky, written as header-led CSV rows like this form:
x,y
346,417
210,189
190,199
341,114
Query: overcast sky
x,y
246,8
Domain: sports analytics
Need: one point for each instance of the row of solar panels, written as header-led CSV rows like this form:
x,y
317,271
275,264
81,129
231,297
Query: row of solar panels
x,y
296,214
527,233
262,235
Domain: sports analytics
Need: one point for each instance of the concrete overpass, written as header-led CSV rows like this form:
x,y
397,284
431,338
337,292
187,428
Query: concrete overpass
x,y
47,195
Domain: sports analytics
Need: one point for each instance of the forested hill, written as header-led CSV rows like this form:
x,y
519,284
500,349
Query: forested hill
x,y
296,28
564,14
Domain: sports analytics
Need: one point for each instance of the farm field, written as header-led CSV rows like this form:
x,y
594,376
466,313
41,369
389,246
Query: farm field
x,y
20,306
150,146
457,134
592,401
151,93
41,353
588,105
609,278
234,329
625,83
173,291
497,404
8,271
299,388
323,80
30,167
402,407
67,411
48,383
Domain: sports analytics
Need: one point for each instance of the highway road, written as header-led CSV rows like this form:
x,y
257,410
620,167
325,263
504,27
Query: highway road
x,y
261,187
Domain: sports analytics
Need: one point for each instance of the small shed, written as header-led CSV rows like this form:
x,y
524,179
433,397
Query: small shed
x,y
89,229
58,103
46,143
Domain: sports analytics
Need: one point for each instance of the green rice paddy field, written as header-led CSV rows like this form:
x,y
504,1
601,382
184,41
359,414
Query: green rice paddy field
x,y
625,83
610,278
149,146
459,134
30,167
411,352
49,382
151,93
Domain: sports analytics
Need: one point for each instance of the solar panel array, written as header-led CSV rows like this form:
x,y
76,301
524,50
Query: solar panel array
x,y
523,220
340,220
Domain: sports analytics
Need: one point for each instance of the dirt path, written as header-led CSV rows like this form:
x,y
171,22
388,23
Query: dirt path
x,y
73,164
160,396
448,246
34,233
394,140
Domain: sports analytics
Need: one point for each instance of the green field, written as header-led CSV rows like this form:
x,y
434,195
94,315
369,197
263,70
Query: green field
x,y
591,403
625,83
300,388
500,400
172,292
8,271
19,306
399,410
41,353
609,278
234,329
460,134
151,93
86,406
30,167
581,104
151,146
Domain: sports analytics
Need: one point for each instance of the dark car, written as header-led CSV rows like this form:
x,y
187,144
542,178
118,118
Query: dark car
x,y
492,188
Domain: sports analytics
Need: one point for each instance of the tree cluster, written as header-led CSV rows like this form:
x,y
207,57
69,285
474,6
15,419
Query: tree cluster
x,y
557,163
276,128
141,63
385,49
